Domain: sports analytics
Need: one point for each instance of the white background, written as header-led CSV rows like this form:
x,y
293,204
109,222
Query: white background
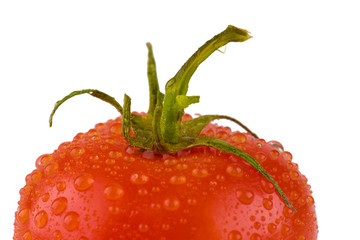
x,y
295,81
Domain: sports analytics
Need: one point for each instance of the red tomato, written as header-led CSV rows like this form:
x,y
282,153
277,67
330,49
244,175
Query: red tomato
x,y
166,176
97,187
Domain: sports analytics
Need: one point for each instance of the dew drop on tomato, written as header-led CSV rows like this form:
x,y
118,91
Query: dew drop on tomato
x,y
23,215
272,227
27,236
277,145
285,230
45,197
57,235
43,160
83,182
113,191
288,212
71,221
255,236
238,138
267,186
165,227
200,172
60,186
143,227
267,203
192,201
51,168
77,152
139,178
234,235
177,180
115,154
41,219
114,209
245,196
142,192
59,205
234,170
35,176
171,203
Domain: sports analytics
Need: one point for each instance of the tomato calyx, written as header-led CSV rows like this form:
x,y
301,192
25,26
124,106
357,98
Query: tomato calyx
x,y
162,129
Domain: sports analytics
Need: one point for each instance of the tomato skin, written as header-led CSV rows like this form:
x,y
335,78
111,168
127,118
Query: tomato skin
x,y
97,187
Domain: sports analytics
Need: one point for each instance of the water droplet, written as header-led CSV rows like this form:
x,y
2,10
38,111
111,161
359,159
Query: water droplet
x,y
155,206
183,220
155,189
274,154
41,219
285,177
35,176
51,168
192,201
60,185
268,203
260,157
267,186
181,166
27,236
287,155
43,160
255,236
277,145
143,227
139,178
165,227
302,237
257,225
114,209
110,161
245,196
115,154
116,128
45,197
285,230
200,172
294,175
238,138
83,182
77,152
234,235
310,200
113,191
57,235
288,212
170,161
142,192
71,221
23,215
59,205
234,170
294,195
177,180
171,203
272,227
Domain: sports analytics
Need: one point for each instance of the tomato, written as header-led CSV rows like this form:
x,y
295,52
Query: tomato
x,y
165,175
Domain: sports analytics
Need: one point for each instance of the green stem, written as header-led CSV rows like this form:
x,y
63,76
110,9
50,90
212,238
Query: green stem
x,y
178,85
93,92
227,147
153,81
